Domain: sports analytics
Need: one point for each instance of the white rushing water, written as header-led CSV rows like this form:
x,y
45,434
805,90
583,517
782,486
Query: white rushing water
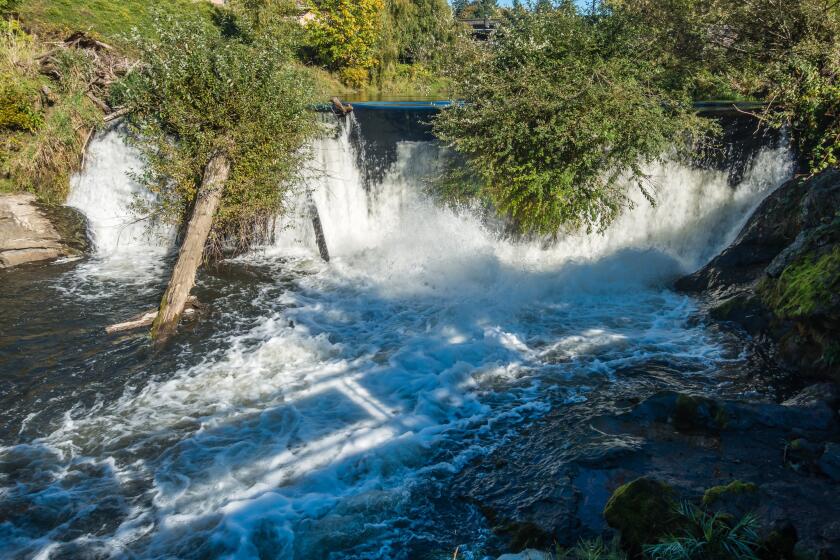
x,y
105,191
314,428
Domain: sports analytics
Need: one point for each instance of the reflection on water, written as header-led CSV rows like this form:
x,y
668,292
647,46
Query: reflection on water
x,y
320,410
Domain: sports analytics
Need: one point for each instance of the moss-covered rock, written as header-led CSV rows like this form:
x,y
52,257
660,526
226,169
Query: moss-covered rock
x,y
642,510
736,487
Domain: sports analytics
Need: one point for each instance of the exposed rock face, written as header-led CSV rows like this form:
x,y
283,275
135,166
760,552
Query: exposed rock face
x,y
780,279
30,232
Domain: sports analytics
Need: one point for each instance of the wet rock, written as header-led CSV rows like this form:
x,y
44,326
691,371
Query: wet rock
x,y
772,227
30,232
730,452
642,510
804,455
780,278
779,542
828,393
830,461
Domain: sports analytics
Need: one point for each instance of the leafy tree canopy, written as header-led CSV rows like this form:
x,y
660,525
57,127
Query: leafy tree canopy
x,y
558,111
200,94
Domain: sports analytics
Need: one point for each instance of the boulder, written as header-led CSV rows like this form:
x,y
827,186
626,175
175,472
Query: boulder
x,y
642,510
30,232
780,279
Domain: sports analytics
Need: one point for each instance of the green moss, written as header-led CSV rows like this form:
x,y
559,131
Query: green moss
x,y
19,104
735,487
805,286
643,510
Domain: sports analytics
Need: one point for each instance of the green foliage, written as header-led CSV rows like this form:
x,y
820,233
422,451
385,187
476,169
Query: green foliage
x,y
41,144
708,536
413,32
560,112
593,550
201,94
787,56
735,487
643,510
344,35
805,285
466,9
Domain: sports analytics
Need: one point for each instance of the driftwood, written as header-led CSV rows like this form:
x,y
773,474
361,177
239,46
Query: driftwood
x,y
121,112
146,319
339,108
319,230
192,249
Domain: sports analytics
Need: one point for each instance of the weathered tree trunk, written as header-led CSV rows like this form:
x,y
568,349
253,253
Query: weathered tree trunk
x,y
319,230
192,249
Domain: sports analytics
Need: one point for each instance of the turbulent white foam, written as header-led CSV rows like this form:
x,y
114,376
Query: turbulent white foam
x,y
106,193
417,348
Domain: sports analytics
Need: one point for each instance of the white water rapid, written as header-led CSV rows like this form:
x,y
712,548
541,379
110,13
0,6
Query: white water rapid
x,y
106,193
340,398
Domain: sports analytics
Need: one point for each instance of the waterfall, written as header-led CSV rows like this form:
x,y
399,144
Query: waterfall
x,y
395,223
105,191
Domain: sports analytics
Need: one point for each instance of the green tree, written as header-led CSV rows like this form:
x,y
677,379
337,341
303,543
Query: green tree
x,y
558,111
222,124
345,36
783,52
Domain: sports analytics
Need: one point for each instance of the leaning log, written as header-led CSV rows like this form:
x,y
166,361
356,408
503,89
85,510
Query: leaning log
x,y
148,318
319,230
192,249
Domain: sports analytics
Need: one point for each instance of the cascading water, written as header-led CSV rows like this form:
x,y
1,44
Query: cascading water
x,y
326,414
104,190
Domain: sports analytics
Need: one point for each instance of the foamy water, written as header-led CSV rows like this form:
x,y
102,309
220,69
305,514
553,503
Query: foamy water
x,y
323,427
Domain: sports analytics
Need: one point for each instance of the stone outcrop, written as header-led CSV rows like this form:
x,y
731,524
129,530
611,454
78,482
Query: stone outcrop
x,y
780,279
626,466
30,232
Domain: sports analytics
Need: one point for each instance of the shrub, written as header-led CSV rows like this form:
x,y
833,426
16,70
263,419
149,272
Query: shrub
x,y
558,112
202,94
18,110
708,536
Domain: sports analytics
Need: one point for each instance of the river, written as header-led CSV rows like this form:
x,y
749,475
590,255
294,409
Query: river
x,y
321,410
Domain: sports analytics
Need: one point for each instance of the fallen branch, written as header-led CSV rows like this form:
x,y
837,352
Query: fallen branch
x,y
148,318
121,112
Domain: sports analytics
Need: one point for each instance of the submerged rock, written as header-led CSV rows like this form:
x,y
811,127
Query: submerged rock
x,y
30,232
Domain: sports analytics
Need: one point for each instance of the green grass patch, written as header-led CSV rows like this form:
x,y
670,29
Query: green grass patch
x,y
111,20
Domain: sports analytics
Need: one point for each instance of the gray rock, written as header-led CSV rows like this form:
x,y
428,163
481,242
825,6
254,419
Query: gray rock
x,y
31,233
828,393
528,554
830,461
